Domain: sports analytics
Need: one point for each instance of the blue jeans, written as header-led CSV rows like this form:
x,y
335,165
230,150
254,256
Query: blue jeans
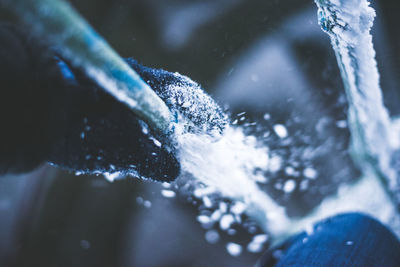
x,y
350,239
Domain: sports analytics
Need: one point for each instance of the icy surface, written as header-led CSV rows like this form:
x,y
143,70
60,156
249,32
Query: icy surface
x,y
374,139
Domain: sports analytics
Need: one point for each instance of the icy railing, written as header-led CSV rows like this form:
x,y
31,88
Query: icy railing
x,y
375,140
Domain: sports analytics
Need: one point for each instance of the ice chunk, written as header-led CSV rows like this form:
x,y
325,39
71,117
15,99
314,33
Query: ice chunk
x,y
111,177
168,193
341,124
262,238
289,186
226,221
275,164
223,207
203,219
238,208
207,202
147,204
254,247
310,173
280,130
212,236
234,249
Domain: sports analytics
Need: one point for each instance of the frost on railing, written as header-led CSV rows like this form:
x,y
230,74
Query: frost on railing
x,y
374,139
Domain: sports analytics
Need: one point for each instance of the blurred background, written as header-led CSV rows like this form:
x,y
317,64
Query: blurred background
x,y
266,58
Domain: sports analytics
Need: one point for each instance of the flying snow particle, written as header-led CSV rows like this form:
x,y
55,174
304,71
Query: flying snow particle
x,y
310,173
234,249
168,193
226,221
280,130
203,219
289,186
212,236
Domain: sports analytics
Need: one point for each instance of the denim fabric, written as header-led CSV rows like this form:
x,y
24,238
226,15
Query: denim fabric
x,y
350,239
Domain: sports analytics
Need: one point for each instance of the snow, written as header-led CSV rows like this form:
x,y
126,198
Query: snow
x,y
275,164
234,249
111,177
226,165
212,236
238,208
289,186
168,193
226,221
257,243
147,204
280,130
262,238
203,219
207,202
348,23
310,173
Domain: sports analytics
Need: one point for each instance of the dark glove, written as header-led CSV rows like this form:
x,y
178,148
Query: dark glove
x,y
52,112
102,135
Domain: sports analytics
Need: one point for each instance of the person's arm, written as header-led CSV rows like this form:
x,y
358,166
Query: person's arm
x,y
50,112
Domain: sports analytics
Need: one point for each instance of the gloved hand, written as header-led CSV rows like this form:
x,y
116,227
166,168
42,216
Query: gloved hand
x,y
52,112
